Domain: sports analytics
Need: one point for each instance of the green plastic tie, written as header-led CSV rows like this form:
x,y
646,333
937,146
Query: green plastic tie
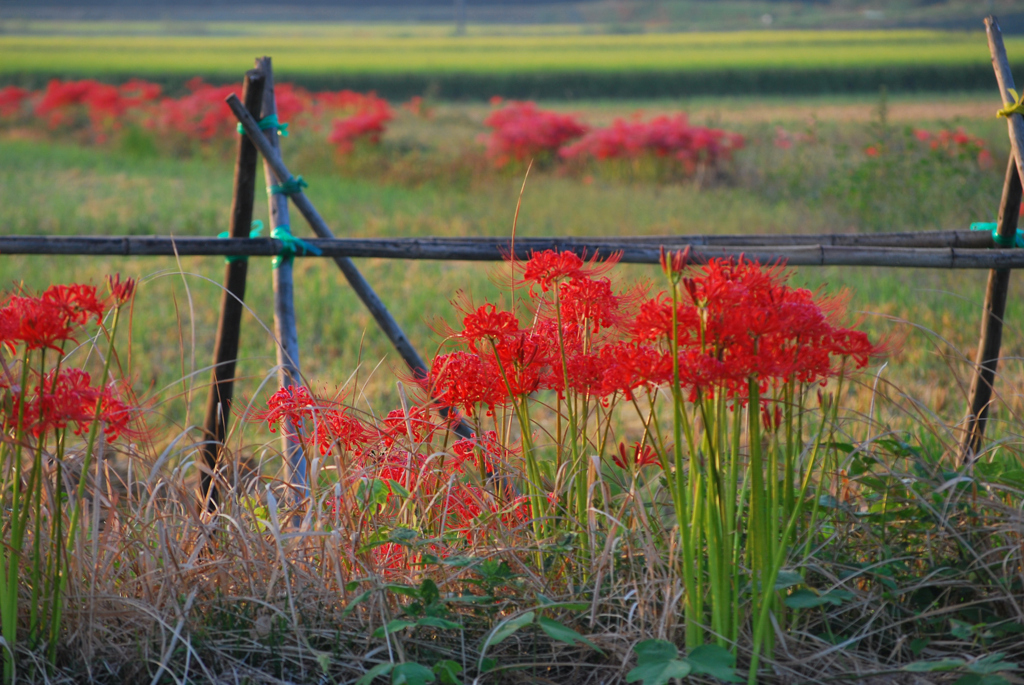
x,y
290,245
993,227
257,227
1015,107
293,185
268,122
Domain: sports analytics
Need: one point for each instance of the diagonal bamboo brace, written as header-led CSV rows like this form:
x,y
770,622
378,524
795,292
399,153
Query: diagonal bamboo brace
x,y
359,284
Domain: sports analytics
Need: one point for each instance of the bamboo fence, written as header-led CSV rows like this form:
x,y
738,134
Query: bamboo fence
x,y
929,249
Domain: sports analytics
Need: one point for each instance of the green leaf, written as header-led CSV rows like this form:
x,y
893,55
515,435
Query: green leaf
x,y
372,492
948,664
352,605
487,664
787,579
658,673
411,674
324,659
961,629
436,622
429,592
978,679
397,488
393,627
655,651
378,670
351,585
403,536
557,631
992,663
807,599
714,661
448,671
503,631
917,645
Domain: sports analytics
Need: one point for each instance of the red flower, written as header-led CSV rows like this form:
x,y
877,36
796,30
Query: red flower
x,y
487,323
547,267
65,398
120,291
638,458
464,380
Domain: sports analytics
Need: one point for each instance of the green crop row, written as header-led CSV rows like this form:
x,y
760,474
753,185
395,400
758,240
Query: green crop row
x,y
330,54
570,85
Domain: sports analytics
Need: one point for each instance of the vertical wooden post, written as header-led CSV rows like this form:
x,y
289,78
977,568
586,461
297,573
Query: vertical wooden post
x,y
285,328
218,403
994,308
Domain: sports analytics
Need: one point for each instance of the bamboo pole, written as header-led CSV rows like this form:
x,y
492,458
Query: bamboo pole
x,y
487,248
493,250
285,328
225,355
980,396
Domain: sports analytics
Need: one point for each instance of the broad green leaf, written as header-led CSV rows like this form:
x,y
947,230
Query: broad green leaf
x,y
448,672
655,651
828,501
397,488
714,661
503,631
355,601
429,592
324,659
556,631
411,674
407,590
992,663
403,536
571,606
437,622
787,579
917,645
378,670
948,664
961,629
659,672
372,492
487,664
393,627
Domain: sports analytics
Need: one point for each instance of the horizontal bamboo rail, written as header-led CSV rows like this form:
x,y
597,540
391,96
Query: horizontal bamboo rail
x,y
490,250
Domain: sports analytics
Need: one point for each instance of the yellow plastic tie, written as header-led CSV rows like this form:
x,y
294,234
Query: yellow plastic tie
x,y
1017,107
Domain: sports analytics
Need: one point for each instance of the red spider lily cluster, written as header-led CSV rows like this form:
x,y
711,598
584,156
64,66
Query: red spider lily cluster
x,y
200,114
521,131
738,320
957,143
671,137
403,452
367,123
43,402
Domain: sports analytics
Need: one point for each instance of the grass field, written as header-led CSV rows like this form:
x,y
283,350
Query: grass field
x,y
308,50
60,189
903,556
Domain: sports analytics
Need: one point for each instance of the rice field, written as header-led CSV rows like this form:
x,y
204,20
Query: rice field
x,y
302,49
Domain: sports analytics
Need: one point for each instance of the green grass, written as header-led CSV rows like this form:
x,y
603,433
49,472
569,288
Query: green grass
x,y
299,51
62,189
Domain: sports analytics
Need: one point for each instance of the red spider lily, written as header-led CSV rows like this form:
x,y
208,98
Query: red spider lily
x,y
589,303
628,366
636,458
464,451
521,130
673,262
12,99
487,323
465,380
120,291
418,427
76,302
37,323
368,123
292,404
547,267
662,136
334,426
68,397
